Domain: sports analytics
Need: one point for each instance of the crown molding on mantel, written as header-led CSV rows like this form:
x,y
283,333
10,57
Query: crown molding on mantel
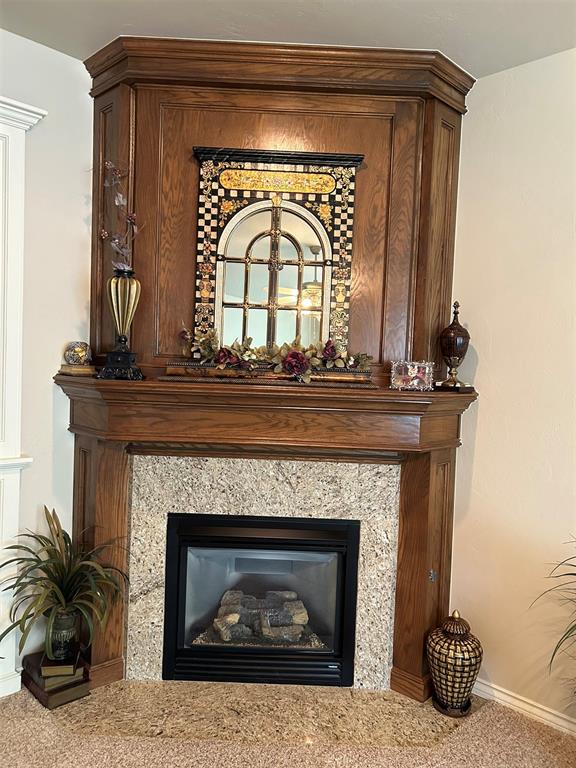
x,y
147,60
19,115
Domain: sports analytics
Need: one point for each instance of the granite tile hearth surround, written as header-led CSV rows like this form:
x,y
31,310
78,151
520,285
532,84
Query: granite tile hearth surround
x,y
353,491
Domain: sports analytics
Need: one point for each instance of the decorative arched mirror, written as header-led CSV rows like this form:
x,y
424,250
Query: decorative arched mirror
x,y
274,246
273,276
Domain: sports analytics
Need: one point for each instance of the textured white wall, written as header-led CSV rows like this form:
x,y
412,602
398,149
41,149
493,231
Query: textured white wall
x,y
56,258
515,277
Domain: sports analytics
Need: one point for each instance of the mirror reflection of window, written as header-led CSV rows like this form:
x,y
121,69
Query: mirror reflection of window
x,y
233,283
288,285
247,229
231,319
275,277
258,282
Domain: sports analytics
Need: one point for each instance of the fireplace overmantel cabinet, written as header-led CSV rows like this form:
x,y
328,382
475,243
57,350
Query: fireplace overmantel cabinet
x,y
157,99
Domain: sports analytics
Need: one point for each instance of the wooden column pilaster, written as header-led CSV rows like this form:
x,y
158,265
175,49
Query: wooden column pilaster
x,y
424,560
101,501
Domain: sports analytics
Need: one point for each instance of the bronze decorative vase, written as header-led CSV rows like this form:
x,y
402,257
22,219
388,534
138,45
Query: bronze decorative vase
x,y
454,656
123,295
454,341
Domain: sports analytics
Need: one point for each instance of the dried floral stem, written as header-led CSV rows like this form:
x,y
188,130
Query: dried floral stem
x,y
120,242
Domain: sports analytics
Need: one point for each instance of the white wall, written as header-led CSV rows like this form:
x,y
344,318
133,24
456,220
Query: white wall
x,y
515,277
56,258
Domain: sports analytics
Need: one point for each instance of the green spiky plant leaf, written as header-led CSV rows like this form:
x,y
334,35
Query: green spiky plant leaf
x,y
564,573
54,576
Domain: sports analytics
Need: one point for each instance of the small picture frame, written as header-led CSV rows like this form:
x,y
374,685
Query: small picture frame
x,y
412,375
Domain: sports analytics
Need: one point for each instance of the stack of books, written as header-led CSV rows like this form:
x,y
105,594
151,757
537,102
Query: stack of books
x,y
55,683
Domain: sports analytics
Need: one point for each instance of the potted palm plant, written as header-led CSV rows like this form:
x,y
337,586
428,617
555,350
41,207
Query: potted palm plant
x,y
63,583
564,573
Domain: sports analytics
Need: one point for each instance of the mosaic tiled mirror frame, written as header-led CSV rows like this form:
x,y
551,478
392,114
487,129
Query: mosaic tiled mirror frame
x,y
321,184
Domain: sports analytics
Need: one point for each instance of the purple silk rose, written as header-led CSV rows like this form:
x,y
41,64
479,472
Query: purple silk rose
x,y
225,357
295,363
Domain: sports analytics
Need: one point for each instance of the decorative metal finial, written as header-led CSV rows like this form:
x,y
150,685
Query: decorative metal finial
x,y
456,306
455,614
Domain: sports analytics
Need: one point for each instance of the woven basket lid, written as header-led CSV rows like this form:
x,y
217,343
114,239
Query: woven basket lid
x,y
455,625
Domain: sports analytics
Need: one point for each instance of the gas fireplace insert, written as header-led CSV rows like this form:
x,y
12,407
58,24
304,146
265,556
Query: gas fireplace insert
x,y
260,599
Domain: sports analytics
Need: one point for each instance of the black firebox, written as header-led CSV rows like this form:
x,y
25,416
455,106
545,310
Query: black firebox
x,y
260,599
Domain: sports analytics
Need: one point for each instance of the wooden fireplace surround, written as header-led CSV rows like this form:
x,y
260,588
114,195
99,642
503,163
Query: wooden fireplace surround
x,y
154,100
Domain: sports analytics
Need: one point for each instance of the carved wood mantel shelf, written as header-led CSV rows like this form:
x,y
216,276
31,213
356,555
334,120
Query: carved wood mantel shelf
x,y
112,419
340,420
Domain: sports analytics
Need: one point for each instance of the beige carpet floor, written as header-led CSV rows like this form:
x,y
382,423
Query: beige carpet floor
x,y
160,725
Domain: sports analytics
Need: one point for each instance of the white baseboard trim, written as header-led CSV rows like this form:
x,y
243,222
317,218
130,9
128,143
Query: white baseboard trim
x,y
527,707
9,684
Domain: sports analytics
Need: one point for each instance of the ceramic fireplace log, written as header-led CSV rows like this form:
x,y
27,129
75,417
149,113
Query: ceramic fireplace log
x,y
279,616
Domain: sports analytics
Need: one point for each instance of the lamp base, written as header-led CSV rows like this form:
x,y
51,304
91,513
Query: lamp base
x,y
120,364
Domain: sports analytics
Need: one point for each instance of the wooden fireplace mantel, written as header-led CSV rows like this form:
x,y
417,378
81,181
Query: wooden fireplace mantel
x,y
154,101
112,420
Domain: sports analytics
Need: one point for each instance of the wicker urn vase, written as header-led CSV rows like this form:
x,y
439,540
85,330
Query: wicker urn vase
x,y
454,656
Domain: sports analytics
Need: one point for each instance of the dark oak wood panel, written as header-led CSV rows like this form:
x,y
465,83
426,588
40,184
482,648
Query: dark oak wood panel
x,y
95,393
397,308
422,581
438,224
154,101
291,453
172,123
382,421
100,515
114,115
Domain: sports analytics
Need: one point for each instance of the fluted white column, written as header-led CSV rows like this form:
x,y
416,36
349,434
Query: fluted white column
x,y
15,120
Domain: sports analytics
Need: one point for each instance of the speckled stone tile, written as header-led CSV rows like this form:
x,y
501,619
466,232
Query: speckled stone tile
x,y
365,492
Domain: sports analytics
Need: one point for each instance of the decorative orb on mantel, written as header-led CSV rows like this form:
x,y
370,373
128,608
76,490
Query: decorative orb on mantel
x,y
77,353
77,358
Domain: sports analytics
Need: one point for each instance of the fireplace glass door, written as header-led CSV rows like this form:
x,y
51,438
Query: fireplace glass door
x,y
261,598
257,599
